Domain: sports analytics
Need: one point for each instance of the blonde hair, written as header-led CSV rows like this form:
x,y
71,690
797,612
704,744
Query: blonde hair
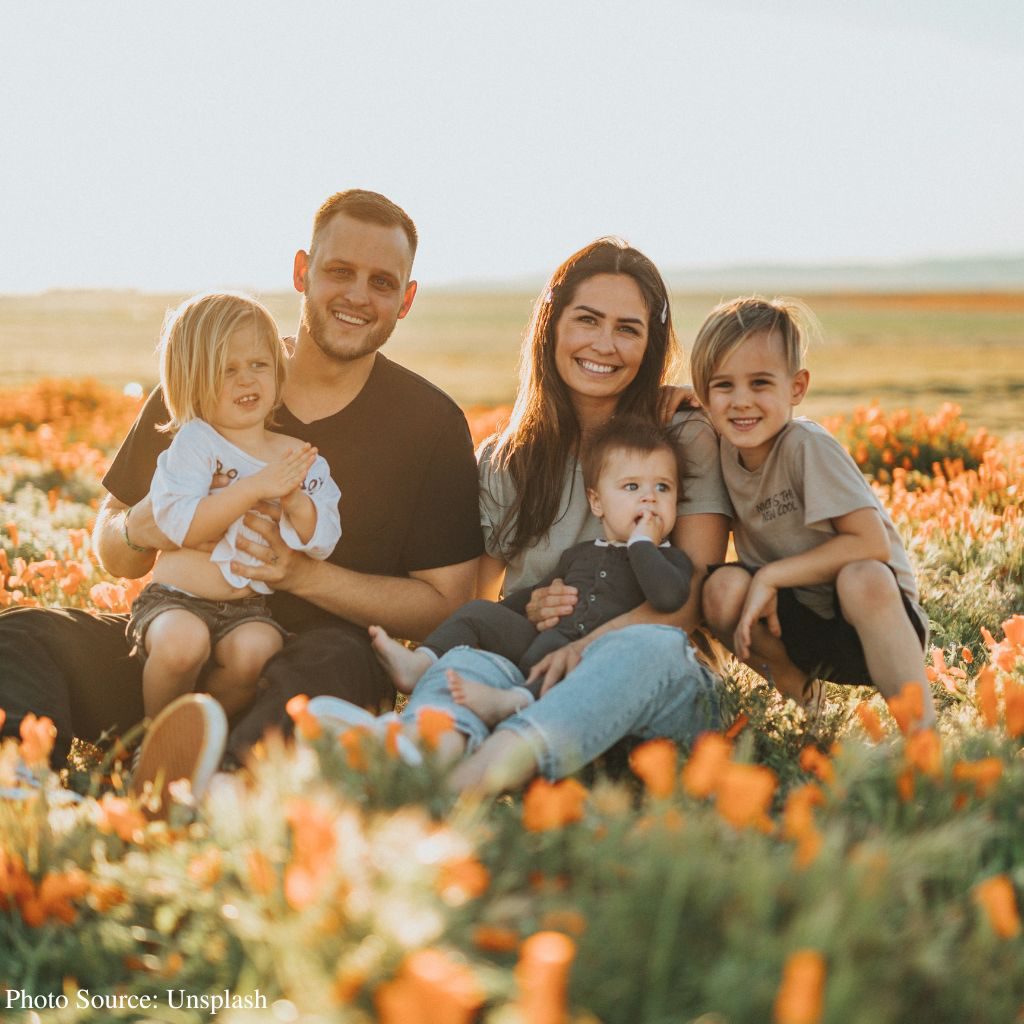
x,y
730,324
193,351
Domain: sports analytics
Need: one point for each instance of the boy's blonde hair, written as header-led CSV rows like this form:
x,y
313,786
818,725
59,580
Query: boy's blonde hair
x,y
728,325
193,351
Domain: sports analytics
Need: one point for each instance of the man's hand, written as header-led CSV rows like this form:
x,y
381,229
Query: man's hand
x,y
277,560
554,667
761,603
549,604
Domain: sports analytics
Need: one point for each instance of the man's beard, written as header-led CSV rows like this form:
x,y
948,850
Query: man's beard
x,y
318,326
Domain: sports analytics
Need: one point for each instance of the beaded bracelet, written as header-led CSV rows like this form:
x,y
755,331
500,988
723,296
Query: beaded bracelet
x,y
128,540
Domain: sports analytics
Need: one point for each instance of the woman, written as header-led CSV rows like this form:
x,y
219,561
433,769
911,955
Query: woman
x,y
600,343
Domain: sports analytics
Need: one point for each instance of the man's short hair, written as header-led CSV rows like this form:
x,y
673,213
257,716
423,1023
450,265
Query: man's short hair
x,y
369,207
631,434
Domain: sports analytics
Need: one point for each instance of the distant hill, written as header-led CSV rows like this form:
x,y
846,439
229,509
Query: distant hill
x,y
975,274
1002,273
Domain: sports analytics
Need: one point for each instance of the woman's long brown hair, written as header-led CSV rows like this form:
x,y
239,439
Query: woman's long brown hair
x,y
543,432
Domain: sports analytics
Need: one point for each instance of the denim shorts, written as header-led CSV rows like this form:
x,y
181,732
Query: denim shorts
x,y
219,617
826,649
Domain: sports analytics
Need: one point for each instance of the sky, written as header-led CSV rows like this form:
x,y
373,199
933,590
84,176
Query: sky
x,y
184,145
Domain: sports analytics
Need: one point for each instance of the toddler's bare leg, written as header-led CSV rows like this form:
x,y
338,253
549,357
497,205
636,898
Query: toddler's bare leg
x,y
177,647
489,703
403,666
723,596
871,602
240,657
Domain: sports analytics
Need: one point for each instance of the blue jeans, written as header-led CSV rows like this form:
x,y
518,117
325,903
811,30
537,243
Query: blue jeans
x,y
643,681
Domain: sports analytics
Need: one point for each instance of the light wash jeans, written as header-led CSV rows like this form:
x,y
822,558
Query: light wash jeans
x,y
643,681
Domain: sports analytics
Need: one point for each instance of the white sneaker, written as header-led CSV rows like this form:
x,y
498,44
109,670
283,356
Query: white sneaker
x,y
336,715
185,741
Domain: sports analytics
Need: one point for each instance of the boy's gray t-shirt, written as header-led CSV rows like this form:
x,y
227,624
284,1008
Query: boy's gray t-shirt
x,y
786,506
701,491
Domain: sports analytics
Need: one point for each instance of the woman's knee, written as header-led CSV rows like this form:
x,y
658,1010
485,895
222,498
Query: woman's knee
x,y
723,595
866,586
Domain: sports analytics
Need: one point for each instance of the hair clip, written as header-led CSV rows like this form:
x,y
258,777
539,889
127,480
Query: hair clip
x,y
548,297
664,312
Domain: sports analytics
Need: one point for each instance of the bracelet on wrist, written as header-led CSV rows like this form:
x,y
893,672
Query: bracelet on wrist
x,y
128,540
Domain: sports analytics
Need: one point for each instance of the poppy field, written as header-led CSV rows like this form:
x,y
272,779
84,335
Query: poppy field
x,y
848,870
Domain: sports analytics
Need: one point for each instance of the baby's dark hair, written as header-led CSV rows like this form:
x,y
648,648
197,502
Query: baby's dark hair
x,y
631,434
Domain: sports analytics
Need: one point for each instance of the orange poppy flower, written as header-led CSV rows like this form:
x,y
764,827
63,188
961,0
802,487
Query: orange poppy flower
x,y
984,774
313,846
1013,630
801,995
3,717
870,721
655,763
924,752
1013,700
819,765
702,772
551,805
744,795
985,696
261,872
37,736
495,938
798,821
907,706
351,741
433,723
996,897
306,725
462,879
542,976
12,531
431,988
740,722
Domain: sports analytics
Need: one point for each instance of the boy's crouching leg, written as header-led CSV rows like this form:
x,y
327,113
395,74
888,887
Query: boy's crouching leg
x,y
722,599
868,589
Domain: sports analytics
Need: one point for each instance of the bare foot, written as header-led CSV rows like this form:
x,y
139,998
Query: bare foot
x,y
490,704
404,666
505,761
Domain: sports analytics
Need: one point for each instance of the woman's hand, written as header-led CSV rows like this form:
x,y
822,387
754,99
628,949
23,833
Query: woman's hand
x,y
674,397
549,604
554,667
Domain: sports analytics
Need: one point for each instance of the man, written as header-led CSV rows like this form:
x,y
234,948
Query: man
x,y
398,448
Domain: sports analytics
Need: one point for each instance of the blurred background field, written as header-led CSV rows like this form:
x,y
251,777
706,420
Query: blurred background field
x,y
907,349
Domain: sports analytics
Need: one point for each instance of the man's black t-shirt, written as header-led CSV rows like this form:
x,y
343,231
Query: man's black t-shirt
x,y
400,452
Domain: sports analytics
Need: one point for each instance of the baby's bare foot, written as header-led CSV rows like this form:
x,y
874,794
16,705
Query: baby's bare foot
x,y
490,704
404,666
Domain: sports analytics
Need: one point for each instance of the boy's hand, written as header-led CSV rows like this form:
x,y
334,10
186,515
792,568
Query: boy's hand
x,y
284,475
761,603
549,604
649,525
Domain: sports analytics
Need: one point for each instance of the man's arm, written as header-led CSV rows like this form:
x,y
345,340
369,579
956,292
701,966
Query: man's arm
x,y
410,607
109,538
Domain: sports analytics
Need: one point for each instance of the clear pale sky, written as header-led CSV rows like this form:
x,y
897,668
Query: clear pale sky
x,y
180,146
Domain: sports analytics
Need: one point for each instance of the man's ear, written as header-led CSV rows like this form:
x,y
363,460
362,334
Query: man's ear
x,y
410,294
299,268
801,382
595,502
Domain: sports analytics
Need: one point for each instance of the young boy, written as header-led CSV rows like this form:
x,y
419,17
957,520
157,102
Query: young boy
x,y
631,473
823,589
